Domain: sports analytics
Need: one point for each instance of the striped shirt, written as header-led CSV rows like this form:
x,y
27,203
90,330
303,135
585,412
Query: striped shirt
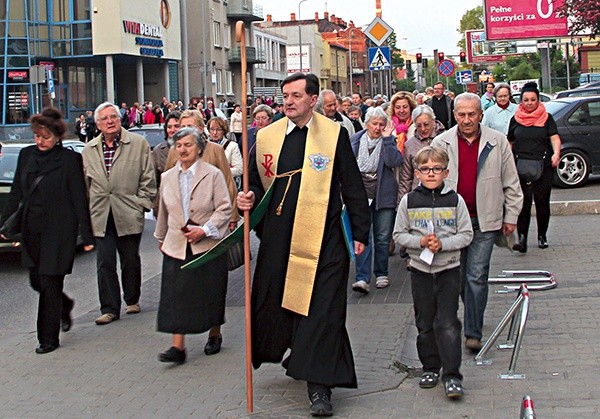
x,y
109,153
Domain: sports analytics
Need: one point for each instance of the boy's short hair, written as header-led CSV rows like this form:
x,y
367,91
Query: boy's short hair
x,y
435,154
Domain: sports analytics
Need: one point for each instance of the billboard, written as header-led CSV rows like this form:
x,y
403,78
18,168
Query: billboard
x,y
121,27
480,50
523,19
293,58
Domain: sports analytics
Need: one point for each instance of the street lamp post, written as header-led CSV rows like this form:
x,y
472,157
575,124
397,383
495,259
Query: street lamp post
x,y
300,32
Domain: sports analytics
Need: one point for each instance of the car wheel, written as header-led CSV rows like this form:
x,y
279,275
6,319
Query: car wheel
x,y
573,169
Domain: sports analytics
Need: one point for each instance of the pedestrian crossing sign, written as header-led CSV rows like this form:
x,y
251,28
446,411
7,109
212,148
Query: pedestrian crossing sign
x,y
380,58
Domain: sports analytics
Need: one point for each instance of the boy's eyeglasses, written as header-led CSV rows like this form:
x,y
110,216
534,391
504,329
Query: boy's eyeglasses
x,y
426,170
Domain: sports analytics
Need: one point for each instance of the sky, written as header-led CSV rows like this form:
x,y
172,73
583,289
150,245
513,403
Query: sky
x,y
425,24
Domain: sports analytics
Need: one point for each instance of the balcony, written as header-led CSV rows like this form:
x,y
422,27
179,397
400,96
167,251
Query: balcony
x,y
325,73
244,10
252,56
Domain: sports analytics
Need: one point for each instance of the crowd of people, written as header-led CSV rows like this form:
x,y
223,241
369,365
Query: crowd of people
x,y
441,178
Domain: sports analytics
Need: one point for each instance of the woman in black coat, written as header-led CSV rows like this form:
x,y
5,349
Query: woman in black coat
x,y
55,208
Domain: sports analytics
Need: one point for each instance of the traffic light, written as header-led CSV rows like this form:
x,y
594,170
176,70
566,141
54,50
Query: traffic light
x,y
463,57
424,62
358,84
408,64
440,56
419,58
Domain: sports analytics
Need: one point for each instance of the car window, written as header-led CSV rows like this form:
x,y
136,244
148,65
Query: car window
x,y
555,106
154,137
594,112
581,115
8,164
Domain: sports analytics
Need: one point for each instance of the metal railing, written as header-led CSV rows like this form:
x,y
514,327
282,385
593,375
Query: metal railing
x,y
537,280
517,315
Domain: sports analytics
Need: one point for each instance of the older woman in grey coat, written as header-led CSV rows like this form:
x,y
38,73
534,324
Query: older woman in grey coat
x,y
377,156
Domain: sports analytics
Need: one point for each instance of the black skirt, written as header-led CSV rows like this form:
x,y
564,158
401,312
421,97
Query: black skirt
x,y
192,300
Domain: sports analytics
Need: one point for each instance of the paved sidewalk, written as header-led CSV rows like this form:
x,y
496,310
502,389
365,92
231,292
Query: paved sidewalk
x,y
112,370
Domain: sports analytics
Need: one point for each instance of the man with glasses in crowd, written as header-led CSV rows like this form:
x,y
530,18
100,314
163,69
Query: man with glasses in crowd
x,y
122,186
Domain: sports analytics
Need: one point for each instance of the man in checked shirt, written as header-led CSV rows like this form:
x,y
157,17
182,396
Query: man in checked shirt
x,y
122,186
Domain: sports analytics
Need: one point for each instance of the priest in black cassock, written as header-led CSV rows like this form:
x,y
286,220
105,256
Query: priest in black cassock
x,y
301,276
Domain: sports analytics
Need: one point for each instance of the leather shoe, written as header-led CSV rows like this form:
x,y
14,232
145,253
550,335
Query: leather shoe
x,y
474,345
67,321
542,242
44,348
173,354
521,245
320,404
213,346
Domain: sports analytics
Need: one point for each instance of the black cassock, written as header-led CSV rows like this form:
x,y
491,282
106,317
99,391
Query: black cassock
x,y
320,347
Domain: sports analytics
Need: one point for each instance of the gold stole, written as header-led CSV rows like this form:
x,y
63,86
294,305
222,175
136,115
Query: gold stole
x,y
313,200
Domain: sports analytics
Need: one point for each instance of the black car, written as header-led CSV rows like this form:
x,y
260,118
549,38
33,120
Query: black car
x,y
154,134
9,154
578,121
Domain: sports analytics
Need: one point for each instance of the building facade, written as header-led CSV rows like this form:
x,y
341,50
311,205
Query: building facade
x,y
75,54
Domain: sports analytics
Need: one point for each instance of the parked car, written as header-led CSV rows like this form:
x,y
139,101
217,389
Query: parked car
x,y
587,91
543,97
9,154
578,121
154,134
592,84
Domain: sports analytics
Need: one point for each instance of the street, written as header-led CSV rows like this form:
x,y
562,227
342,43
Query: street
x,y
18,304
112,370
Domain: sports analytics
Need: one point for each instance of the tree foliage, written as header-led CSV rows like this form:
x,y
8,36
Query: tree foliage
x,y
583,15
472,19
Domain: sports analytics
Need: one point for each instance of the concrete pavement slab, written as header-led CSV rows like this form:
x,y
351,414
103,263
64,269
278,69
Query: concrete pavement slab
x,y
112,370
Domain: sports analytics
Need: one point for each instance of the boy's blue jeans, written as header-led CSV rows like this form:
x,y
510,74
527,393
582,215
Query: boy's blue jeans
x,y
435,301
379,240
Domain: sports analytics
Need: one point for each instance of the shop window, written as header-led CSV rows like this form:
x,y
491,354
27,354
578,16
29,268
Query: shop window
x,y
17,104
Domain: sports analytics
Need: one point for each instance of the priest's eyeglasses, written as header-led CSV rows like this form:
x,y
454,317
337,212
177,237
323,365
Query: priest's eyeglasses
x,y
426,170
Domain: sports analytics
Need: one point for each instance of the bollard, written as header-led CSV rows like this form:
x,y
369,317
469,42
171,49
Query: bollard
x,y
527,411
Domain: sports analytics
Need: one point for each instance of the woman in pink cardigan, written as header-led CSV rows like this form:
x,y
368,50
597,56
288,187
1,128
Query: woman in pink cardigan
x,y
194,212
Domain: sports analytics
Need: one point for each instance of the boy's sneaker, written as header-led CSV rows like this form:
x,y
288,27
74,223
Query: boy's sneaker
x,y
382,282
360,286
453,388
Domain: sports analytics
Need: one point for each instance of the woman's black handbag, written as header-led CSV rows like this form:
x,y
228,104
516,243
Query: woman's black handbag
x,y
235,256
11,229
530,170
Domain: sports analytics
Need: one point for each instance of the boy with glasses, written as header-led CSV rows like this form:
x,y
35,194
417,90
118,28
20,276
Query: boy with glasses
x,y
433,223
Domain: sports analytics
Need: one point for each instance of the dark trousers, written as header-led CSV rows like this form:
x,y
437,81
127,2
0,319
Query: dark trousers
x,y
435,301
128,248
53,303
538,192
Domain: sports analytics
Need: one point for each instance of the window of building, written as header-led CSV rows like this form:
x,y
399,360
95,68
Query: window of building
x,y
217,34
227,36
219,74
61,10
229,83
